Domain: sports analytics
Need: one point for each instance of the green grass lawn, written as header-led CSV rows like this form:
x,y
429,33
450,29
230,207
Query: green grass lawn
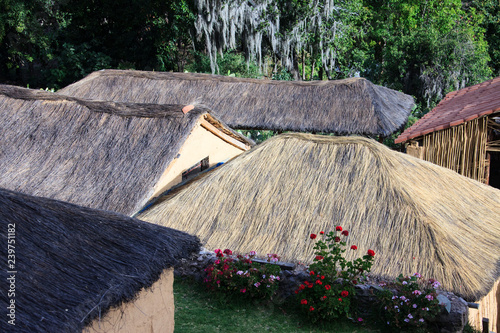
x,y
197,310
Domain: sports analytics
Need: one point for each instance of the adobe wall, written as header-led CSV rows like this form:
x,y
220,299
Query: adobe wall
x,y
200,144
152,311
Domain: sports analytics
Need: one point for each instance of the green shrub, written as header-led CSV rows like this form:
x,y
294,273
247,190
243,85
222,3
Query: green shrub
x,y
329,291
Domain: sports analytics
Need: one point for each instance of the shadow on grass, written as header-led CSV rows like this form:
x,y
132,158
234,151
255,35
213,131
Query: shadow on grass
x,y
197,310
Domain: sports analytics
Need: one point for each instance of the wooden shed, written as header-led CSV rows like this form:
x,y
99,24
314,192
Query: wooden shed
x,y
462,133
105,155
418,217
77,269
350,106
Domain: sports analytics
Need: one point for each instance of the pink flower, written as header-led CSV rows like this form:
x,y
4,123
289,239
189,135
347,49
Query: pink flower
x,y
218,252
257,284
244,290
228,252
360,319
252,253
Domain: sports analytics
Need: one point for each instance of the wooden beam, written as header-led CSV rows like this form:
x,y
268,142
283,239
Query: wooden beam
x,y
205,124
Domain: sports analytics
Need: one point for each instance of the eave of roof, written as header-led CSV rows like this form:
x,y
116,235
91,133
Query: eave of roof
x,y
457,108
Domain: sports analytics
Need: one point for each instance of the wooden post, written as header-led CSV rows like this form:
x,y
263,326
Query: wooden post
x,y
486,325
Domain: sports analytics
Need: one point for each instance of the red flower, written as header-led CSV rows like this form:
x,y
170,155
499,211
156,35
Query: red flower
x,y
322,277
340,299
354,281
302,287
371,253
354,247
337,239
304,301
296,291
321,232
228,252
311,308
319,282
218,252
319,257
313,236
328,287
311,273
311,285
344,293
345,233
338,228
323,298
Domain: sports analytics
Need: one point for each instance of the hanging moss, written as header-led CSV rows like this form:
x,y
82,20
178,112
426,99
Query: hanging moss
x,y
224,22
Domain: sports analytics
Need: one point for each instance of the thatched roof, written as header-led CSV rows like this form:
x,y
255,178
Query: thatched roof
x,y
75,263
418,217
101,155
343,107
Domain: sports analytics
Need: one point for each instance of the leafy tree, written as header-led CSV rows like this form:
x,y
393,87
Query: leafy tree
x,y
490,9
425,48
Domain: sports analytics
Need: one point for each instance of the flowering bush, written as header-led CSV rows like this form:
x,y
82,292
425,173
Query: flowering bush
x,y
240,275
415,303
328,292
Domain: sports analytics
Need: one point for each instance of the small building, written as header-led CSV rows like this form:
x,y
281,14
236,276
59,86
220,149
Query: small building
x,y
350,106
105,155
415,215
76,269
461,133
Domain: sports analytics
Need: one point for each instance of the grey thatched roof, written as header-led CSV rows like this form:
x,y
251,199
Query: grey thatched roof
x,y
417,216
351,106
74,263
101,155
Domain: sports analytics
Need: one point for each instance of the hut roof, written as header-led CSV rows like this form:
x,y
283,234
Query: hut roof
x,y
101,155
75,263
344,106
456,108
418,217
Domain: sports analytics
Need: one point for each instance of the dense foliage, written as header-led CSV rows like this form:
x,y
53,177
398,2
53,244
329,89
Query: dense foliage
x,y
423,48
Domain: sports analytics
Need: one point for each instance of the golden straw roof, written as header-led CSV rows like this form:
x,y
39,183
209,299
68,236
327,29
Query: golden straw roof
x,y
101,155
418,217
350,106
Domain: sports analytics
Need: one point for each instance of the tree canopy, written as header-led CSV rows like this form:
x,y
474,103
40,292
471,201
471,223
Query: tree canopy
x,y
425,48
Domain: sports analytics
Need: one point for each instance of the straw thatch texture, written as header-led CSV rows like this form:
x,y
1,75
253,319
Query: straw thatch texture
x,y
73,263
97,154
343,107
418,217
